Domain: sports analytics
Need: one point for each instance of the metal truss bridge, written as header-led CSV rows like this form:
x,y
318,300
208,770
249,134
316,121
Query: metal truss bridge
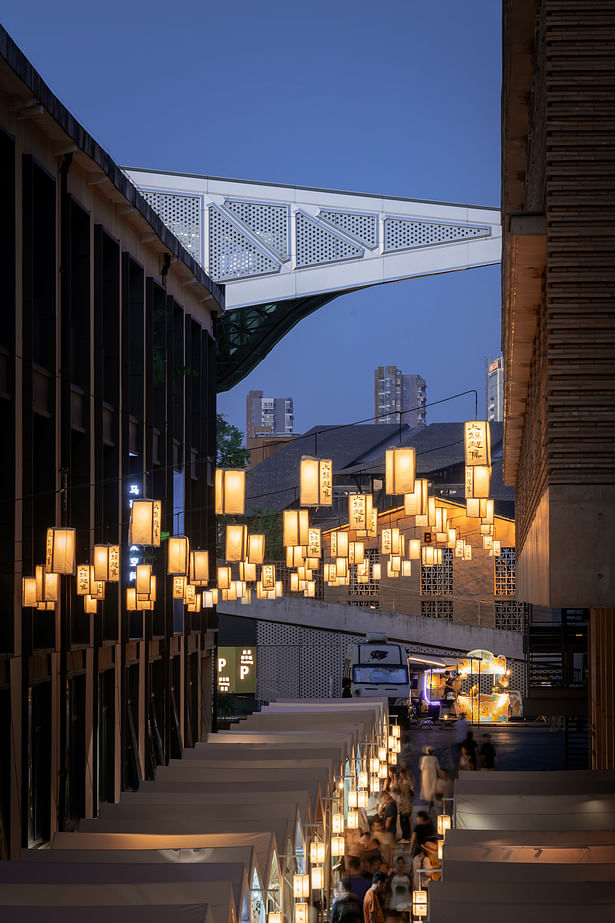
x,y
282,252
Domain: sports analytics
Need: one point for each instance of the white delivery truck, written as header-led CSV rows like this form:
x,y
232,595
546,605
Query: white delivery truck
x,y
378,668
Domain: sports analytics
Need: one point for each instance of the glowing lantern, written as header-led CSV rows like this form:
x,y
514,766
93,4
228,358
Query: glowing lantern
x,y
337,846
374,765
360,511
317,853
419,903
444,824
390,541
415,502
440,848
107,563
487,511
487,542
406,569
487,530
246,599
341,567
310,590
339,544
382,754
28,592
383,771
316,482
353,798
90,605
210,599
496,548
275,917
198,571
472,508
396,730
459,546
256,548
178,556
337,821
400,467
230,491
296,527
477,481
318,877
356,552
393,758
352,820
236,543
414,549
294,583
301,886
392,573
144,577
144,525
314,546
60,556
441,518
428,556
477,439
467,553
362,798
179,587
301,912
268,576
279,589
295,555
247,572
224,578
131,599
362,779
451,538
376,572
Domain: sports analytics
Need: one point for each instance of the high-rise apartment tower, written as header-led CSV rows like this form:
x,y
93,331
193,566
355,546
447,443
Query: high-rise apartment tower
x,y
268,416
397,395
495,390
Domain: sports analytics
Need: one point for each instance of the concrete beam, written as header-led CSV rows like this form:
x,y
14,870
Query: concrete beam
x,y
415,629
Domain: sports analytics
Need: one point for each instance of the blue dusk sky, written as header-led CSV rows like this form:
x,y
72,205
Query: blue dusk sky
x,y
400,97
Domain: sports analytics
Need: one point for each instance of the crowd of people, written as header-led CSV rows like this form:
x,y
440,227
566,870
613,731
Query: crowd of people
x,y
391,855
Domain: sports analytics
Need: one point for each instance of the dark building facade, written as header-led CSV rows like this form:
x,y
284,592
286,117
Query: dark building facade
x,y
107,393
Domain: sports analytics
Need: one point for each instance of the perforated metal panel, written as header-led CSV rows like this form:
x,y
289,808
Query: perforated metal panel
x,y
510,615
232,255
363,228
299,662
367,594
505,572
407,233
182,216
437,609
438,580
316,244
267,222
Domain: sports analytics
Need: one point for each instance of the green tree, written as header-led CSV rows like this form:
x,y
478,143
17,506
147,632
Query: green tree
x,y
230,453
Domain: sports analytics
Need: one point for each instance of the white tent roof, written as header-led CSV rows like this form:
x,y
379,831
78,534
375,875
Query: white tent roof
x,y
543,811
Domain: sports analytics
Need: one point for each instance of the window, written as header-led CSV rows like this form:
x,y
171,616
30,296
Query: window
x,y
380,675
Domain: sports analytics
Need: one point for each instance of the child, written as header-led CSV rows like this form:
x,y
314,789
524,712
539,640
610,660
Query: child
x,y
399,884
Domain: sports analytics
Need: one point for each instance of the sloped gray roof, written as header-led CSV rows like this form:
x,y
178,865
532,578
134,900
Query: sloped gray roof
x,y
274,484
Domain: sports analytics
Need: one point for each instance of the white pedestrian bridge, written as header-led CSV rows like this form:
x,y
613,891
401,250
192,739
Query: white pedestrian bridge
x,y
282,252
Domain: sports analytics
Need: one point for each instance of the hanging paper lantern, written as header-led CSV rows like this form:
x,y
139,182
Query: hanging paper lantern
x,y
477,480
301,911
60,556
90,605
314,546
256,548
301,886
28,592
145,523
247,572
178,555
376,572
144,575
317,853
198,571
477,439
360,511
236,540
179,587
400,470
230,491
356,552
296,527
107,563
268,576
316,482
224,578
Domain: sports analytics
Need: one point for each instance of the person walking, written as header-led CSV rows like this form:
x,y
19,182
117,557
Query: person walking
x,y
405,791
423,830
429,768
470,745
399,883
372,909
347,906
487,754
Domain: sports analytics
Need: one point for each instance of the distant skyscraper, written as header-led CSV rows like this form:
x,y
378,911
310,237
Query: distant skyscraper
x,y
495,390
395,394
268,416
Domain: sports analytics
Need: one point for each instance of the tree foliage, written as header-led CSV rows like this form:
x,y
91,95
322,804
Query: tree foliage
x,y
230,453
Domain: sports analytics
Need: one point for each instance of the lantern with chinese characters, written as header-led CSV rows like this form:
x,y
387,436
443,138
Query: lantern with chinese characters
x,y
179,587
230,491
107,563
317,853
144,525
60,556
400,467
337,821
415,502
296,527
477,480
467,552
301,912
487,542
339,544
477,439
360,507
268,576
314,546
301,886
178,556
419,903
356,552
198,571
236,540
256,548
316,482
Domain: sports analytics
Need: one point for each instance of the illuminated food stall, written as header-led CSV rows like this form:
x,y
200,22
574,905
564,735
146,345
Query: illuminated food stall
x,y
496,704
